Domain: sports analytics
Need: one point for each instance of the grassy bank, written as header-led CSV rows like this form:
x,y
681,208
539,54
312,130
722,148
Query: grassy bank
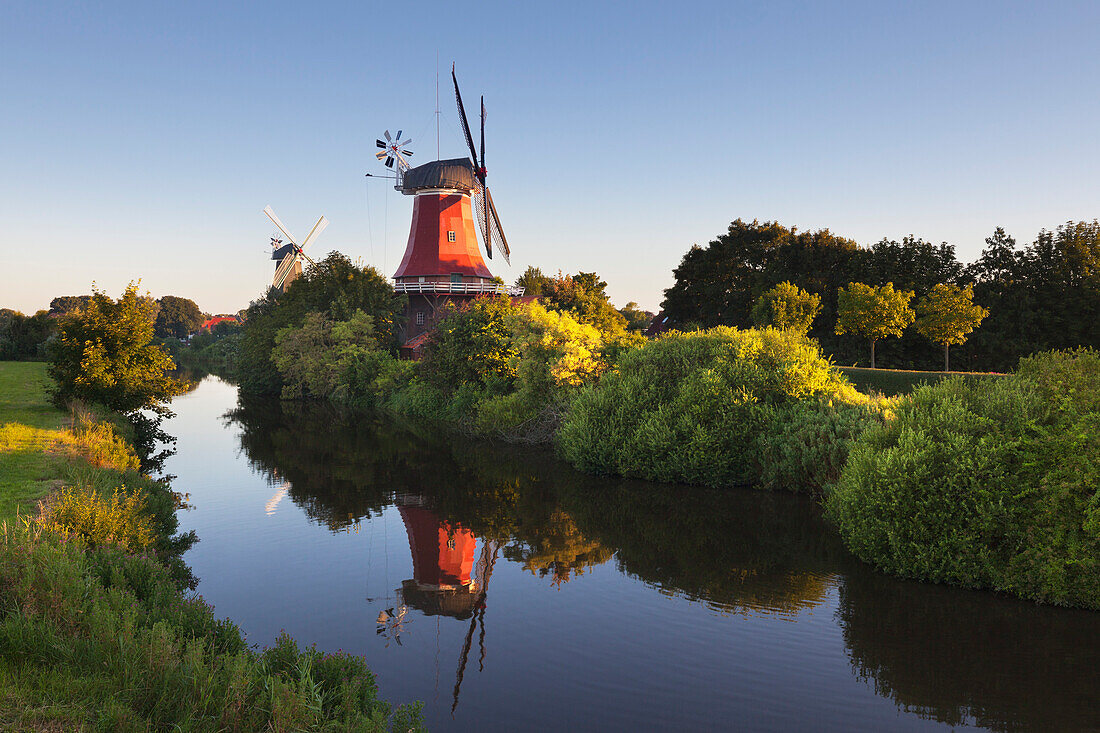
x,y
893,382
35,443
97,628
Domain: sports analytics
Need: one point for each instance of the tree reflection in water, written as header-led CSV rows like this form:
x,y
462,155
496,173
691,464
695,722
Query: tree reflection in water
x,y
940,652
974,657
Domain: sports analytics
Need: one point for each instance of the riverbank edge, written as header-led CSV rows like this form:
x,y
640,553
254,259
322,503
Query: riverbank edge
x,y
94,635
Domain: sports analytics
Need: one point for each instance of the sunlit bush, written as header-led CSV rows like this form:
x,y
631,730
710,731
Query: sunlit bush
x,y
119,518
693,407
992,483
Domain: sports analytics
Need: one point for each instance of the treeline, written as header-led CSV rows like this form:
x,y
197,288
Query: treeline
x,y
1042,296
25,337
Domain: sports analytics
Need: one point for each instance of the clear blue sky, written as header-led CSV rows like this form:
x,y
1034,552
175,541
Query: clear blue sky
x,y
144,139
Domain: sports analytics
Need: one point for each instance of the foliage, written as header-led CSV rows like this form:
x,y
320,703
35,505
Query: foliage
x,y
119,519
636,318
340,361
805,444
334,287
497,367
873,312
584,296
787,307
692,407
532,281
104,354
1042,296
988,484
177,317
24,337
65,304
947,315
473,345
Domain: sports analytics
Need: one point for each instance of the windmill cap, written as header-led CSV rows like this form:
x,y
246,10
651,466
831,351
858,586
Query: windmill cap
x,y
457,173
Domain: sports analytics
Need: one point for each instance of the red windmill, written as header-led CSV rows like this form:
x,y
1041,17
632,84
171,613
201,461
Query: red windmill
x,y
442,259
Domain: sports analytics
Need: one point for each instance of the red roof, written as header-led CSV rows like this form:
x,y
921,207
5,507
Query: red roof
x,y
211,322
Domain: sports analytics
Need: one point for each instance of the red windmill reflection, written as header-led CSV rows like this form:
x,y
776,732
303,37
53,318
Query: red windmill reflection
x,y
446,581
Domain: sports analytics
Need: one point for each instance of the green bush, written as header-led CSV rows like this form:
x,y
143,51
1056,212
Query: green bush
x,y
334,287
498,368
992,483
805,444
695,407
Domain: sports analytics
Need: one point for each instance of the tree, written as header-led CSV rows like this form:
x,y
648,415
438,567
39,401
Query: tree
x,y
584,296
334,287
788,307
177,317
473,345
24,337
65,304
104,354
532,281
873,312
947,315
636,318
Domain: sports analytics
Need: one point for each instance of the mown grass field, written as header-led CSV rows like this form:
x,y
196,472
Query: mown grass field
x,y
892,382
32,433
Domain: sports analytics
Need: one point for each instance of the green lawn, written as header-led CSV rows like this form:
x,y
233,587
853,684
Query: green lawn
x,y
23,397
29,426
891,382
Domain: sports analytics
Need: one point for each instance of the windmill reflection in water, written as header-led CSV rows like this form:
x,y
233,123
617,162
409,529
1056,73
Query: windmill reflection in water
x,y
446,581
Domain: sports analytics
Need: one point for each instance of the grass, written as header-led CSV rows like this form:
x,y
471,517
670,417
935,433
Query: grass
x,y
893,382
30,428
23,386
42,446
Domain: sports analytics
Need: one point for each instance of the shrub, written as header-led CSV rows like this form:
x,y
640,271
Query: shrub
x,y
693,406
497,368
992,483
118,519
805,444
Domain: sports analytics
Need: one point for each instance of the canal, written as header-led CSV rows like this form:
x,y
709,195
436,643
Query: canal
x,y
509,592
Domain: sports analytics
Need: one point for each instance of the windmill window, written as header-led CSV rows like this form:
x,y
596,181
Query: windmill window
x,y
420,318
421,278
450,236
456,277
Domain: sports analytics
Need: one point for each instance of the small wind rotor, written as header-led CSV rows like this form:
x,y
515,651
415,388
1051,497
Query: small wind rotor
x,y
492,233
290,255
394,150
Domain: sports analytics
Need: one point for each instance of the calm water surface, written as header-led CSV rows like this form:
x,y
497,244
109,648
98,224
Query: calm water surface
x,y
522,595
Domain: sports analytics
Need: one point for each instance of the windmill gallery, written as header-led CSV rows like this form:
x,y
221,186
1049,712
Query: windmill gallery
x,y
442,262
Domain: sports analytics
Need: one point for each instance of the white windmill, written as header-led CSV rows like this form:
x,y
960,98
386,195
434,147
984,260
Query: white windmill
x,y
290,255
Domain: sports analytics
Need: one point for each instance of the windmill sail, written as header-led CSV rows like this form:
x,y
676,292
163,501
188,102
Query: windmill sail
x,y
284,269
499,240
492,233
465,123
